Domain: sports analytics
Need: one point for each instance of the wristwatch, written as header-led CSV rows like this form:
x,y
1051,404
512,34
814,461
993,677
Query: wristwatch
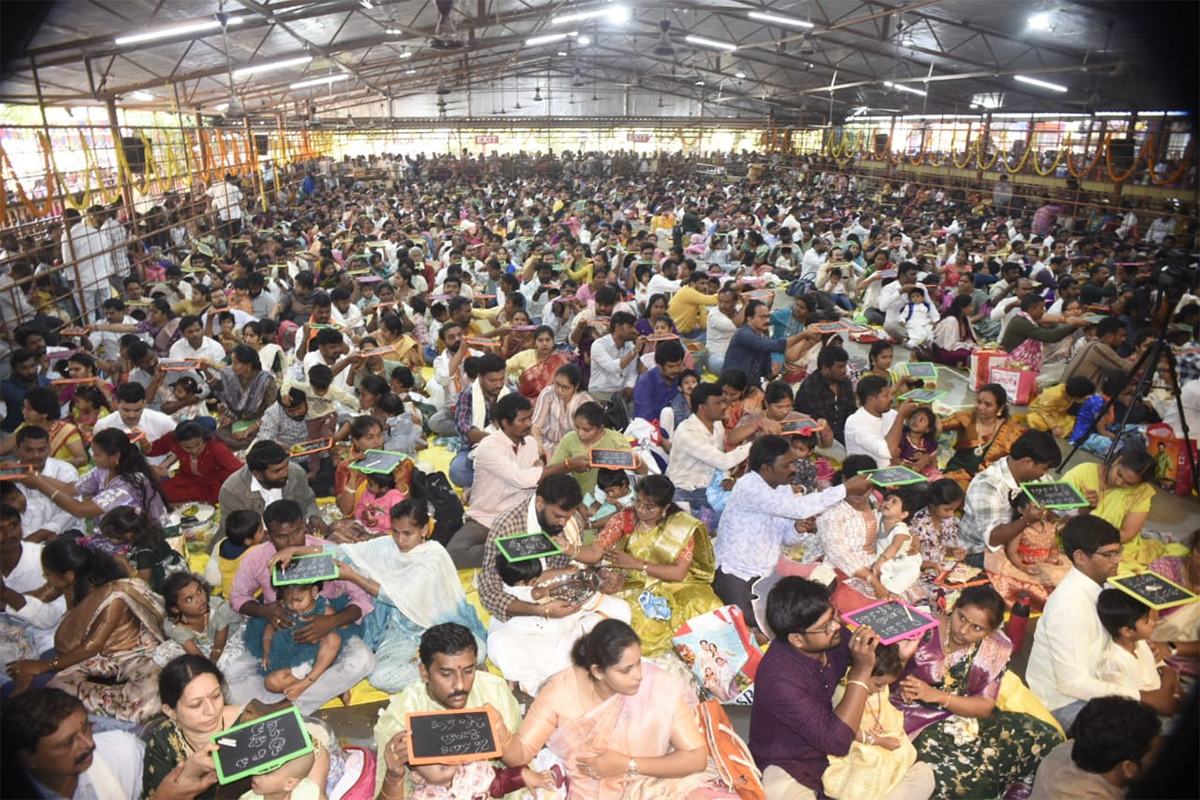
x,y
633,767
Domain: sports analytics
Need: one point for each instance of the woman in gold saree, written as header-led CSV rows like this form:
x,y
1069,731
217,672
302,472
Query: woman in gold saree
x,y
106,641
622,727
667,560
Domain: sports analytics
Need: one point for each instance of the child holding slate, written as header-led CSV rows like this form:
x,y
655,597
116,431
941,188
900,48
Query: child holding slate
x,y
898,553
289,781
1031,563
374,507
919,446
1128,659
292,667
473,780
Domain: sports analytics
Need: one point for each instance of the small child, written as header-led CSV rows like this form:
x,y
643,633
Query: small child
x,y
918,319
195,623
289,781
1030,563
187,391
86,406
374,507
612,494
1128,659
292,667
243,530
1051,410
835,287
476,779
813,474
131,537
881,752
897,553
227,337
920,443
1113,384
402,427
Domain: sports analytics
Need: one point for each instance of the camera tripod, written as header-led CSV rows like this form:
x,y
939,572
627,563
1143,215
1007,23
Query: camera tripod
x,y
1147,363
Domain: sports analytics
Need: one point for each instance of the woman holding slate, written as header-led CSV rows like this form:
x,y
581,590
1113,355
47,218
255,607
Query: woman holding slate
x,y
948,696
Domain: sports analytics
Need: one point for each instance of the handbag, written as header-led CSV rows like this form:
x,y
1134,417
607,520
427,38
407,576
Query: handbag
x,y
730,756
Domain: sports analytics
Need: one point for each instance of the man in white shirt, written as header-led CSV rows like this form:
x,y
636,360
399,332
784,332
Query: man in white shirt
x,y
86,247
42,518
875,428
22,561
333,352
614,359
698,448
893,300
193,344
132,416
665,282
761,515
1069,644
723,322
226,200
814,257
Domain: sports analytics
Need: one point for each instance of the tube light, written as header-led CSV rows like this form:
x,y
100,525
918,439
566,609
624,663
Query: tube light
x,y
141,96
740,75
406,54
548,38
270,65
778,20
187,28
1054,87
614,14
1040,22
327,79
222,107
902,88
700,41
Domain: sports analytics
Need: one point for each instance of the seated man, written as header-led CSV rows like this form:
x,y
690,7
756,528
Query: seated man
x,y
284,520
794,726
1110,742
699,449
473,414
509,469
657,387
449,680
49,750
987,521
269,475
21,605
1069,643
132,416
761,515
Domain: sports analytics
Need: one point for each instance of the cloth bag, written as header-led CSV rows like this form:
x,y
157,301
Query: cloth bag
x,y
1018,383
982,363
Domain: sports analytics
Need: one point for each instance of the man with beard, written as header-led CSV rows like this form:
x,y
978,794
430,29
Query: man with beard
x,y
449,680
269,475
554,509
794,726
508,468
49,750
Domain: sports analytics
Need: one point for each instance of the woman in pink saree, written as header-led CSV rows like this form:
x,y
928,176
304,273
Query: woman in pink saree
x,y
623,727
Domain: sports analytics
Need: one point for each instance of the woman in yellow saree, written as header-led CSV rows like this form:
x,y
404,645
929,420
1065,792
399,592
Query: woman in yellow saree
x,y
667,560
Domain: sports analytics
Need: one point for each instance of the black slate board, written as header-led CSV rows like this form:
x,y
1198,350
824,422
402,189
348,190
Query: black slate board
x,y
450,737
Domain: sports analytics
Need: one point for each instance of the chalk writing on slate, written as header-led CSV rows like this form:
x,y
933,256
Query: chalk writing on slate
x,y
260,745
893,476
925,370
379,461
450,737
803,427
891,621
525,546
922,395
306,569
1054,495
1154,590
612,459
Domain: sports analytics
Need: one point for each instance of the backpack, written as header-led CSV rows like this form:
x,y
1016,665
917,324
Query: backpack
x,y
617,414
734,764
444,506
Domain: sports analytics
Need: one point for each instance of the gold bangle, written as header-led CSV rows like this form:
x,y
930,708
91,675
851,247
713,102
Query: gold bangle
x,y
866,688
54,494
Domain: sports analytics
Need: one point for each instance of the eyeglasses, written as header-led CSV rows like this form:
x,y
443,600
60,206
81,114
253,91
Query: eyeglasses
x,y
1111,555
826,629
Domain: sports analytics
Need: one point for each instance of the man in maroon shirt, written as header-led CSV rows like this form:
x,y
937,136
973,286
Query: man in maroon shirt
x,y
794,726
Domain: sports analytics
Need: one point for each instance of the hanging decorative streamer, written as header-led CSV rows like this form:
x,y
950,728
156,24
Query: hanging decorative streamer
x,y
34,208
1144,152
1184,163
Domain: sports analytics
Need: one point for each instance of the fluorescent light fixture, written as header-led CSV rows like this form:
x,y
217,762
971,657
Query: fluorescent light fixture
x,y
583,41
739,75
322,81
700,81
410,72
614,14
1040,22
562,53
778,20
406,54
270,65
222,107
394,32
548,38
700,41
141,96
900,87
1054,87
185,29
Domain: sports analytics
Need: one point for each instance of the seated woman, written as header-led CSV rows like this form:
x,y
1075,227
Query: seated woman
x,y
1179,627
777,409
656,306
621,726
192,694
106,641
847,533
555,407
948,696
415,586
533,370
590,433
954,338
245,391
667,558
204,463
121,478
270,355
405,349
985,434
82,367
43,408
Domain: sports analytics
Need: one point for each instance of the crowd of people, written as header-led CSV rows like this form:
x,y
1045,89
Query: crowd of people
x,y
653,373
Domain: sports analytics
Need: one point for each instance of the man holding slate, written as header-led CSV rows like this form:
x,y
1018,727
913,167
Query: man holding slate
x,y
286,528
269,475
449,680
875,429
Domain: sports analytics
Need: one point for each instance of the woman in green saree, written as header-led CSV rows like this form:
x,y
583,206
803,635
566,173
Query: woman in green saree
x,y
667,560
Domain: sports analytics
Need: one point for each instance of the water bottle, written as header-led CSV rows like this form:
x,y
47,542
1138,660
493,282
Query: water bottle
x,y
1019,620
